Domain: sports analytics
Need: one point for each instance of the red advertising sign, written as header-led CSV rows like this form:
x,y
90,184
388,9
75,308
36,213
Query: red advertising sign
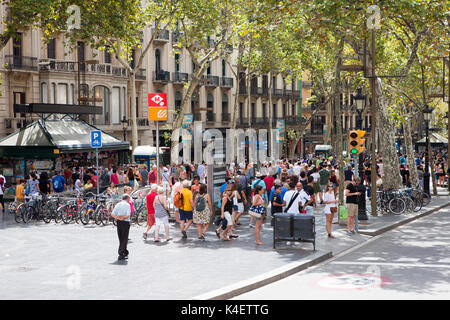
x,y
157,100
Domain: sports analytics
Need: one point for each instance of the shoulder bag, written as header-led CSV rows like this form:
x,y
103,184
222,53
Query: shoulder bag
x,y
257,211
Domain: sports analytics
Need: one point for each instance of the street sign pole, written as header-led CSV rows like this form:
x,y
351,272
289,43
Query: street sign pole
x,y
96,168
157,152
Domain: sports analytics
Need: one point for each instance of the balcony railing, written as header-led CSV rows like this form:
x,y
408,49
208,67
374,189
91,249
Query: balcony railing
x,y
180,77
21,63
277,92
163,36
226,117
213,81
161,76
226,82
142,122
141,74
210,116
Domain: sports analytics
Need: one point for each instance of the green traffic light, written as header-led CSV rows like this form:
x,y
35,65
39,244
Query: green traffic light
x,y
354,151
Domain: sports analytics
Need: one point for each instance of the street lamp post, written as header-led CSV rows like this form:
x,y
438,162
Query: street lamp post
x,y
426,177
125,124
360,103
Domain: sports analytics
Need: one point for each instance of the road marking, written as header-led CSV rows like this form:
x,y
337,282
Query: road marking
x,y
394,264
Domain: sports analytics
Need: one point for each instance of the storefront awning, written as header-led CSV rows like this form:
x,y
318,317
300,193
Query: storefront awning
x,y
48,138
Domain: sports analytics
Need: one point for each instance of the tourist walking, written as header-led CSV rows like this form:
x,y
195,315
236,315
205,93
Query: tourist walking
x,y
202,213
161,214
186,214
259,205
150,200
226,213
122,213
329,198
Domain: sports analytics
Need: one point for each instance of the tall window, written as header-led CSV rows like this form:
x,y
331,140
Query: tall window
x,y
53,93
274,111
62,94
224,104
81,54
210,107
51,49
241,110
107,55
253,110
178,101
264,111
102,92
177,62
224,68
157,60
115,106
44,92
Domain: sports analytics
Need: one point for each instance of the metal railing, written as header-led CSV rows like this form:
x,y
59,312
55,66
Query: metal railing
x,y
21,63
213,81
163,35
162,75
226,117
226,82
180,77
210,116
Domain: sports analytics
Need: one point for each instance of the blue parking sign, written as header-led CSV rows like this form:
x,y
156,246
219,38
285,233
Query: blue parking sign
x,y
96,139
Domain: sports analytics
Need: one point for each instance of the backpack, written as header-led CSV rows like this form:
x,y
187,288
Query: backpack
x,y
200,205
178,200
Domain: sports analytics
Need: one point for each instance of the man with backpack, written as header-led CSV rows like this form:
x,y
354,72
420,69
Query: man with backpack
x,y
186,209
58,183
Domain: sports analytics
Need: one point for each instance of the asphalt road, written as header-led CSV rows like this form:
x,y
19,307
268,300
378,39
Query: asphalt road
x,y
410,262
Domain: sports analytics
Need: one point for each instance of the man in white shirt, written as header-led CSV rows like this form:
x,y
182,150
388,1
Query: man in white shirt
x,y
291,200
122,213
296,170
305,199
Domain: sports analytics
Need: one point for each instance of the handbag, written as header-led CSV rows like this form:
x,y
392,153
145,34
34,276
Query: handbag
x,y
257,211
343,212
333,209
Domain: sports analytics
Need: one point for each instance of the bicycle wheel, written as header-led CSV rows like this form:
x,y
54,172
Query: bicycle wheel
x,y
84,215
397,206
409,204
20,211
57,213
104,216
47,213
425,199
417,205
141,218
66,213
98,216
28,215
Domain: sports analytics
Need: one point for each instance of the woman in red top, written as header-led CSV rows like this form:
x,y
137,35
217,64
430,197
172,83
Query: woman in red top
x,y
150,199
115,177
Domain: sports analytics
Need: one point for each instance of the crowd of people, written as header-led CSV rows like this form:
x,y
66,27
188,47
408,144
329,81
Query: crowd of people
x,y
289,186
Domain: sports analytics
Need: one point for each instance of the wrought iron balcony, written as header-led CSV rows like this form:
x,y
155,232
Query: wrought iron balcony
x,y
141,74
212,81
161,76
226,82
180,77
277,92
21,63
226,117
210,116
163,36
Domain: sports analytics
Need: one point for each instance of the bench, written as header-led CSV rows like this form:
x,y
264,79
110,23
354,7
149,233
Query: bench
x,y
298,228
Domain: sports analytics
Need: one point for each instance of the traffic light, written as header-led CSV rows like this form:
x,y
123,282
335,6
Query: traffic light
x,y
356,142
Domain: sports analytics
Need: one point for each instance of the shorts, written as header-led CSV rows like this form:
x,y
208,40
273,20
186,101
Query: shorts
x,y
323,187
352,209
150,219
239,207
162,221
229,218
185,215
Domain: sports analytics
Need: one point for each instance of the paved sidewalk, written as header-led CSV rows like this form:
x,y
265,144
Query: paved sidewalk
x,y
57,261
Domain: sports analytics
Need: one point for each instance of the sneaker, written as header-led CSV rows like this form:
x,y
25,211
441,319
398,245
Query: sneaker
x,y
204,236
169,238
157,239
349,232
144,236
184,234
251,225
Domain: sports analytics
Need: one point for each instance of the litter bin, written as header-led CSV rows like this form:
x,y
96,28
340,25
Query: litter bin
x,y
294,227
